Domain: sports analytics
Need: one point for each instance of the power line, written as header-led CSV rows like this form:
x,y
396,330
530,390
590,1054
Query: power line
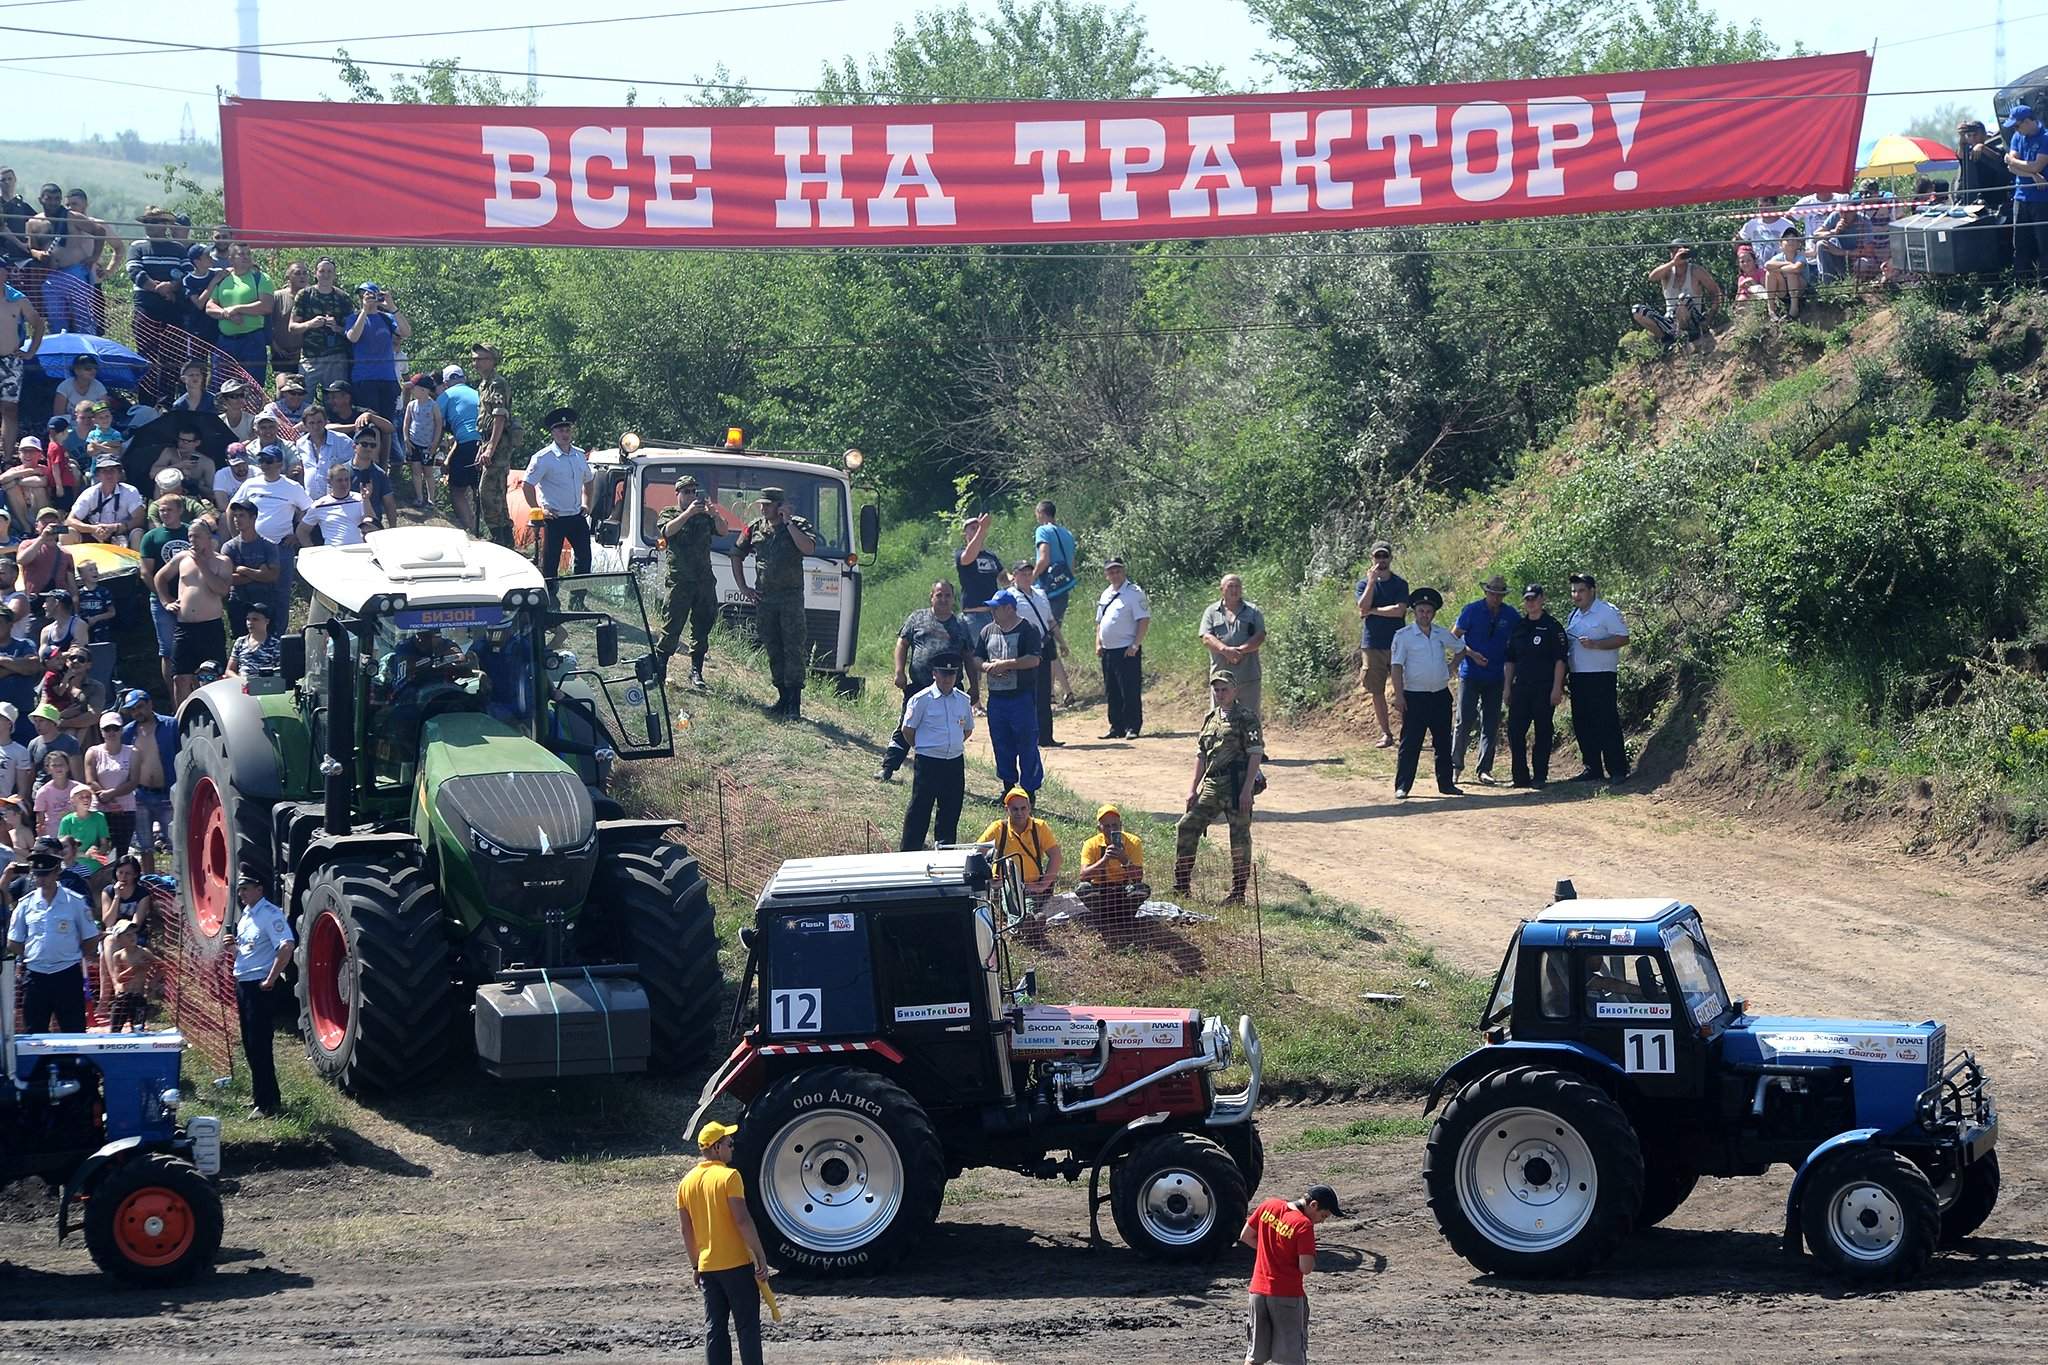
x,y
271,49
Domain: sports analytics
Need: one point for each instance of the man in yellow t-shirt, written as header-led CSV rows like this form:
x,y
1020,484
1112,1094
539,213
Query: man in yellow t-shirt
x,y
1029,840
725,1248
1112,869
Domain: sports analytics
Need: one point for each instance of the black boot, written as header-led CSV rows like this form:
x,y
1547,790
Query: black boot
x,y
697,670
795,705
780,711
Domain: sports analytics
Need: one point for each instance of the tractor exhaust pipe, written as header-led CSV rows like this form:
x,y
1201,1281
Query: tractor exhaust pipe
x,y
338,767
1565,890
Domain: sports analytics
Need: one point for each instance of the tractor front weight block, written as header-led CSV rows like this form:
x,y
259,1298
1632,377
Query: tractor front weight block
x,y
536,1022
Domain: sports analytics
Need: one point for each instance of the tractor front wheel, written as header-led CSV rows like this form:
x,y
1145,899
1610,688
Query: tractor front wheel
x,y
214,829
1533,1173
843,1170
153,1219
375,975
662,906
1870,1215
1179,1197
1976,1196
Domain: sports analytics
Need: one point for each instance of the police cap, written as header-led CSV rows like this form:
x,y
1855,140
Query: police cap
x,y
1429,597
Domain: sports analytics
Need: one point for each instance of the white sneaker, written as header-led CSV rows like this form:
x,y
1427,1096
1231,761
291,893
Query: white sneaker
x,y
1400,793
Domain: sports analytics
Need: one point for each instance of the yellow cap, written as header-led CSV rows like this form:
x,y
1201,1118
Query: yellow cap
x,y
1013,793
713,1133
1102,812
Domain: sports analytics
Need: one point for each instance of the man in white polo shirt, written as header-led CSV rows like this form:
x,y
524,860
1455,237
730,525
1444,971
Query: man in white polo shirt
x,y
1597,634
1122,616
937,722
49,932
1420,660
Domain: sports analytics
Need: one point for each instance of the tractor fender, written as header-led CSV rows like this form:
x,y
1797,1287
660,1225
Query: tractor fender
x,y
257,774
92,1168
610,832
753,1066
325,848
1855,1137
1574,1057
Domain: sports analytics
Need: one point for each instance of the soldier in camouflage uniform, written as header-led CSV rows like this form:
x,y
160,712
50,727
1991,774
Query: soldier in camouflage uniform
x,y
1227,758
781,539
494,429
686,532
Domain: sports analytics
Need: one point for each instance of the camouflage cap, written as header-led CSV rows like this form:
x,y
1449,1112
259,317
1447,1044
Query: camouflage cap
x,y
1224,676
772,496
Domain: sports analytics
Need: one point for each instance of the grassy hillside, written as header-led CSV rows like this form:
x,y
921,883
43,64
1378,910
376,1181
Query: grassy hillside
x,y
120,187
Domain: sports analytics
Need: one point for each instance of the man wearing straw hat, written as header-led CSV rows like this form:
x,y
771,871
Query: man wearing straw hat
x,y
724,1248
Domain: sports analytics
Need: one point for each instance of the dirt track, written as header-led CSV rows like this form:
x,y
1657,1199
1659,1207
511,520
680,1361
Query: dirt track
x,y
425,1247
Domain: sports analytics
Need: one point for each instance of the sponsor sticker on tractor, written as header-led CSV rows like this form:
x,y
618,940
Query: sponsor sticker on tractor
x,y
1145,1033
1631,1010
921,1014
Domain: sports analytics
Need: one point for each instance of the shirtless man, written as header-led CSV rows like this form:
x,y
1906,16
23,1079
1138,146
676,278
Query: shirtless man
x,y
50,242
193,586
15,313
125,966
91,242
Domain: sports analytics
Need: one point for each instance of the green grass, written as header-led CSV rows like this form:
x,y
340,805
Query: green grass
x,y
118,189
1358,1132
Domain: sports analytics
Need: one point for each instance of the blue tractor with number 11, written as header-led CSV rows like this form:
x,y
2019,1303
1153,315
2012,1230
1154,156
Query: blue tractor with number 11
x,y
1617,1071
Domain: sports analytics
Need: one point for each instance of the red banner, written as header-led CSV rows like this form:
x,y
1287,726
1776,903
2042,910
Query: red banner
x,y
1040,172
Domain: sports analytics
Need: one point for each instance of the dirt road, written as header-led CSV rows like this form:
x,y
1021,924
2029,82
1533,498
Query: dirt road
x,y
424,1243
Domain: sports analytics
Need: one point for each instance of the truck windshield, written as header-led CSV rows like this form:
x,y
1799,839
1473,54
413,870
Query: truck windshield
x,y
1502,1002
1692,966
733,489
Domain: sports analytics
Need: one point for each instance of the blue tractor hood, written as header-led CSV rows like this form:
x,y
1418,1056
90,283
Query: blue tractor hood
x,y
1889,1062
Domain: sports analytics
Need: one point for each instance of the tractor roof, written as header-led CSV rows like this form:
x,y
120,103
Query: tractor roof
x,y
782,462
1635,910
430,565
945,873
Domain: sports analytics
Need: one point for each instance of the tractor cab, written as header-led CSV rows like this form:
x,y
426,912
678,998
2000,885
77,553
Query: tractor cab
x,y
1631,980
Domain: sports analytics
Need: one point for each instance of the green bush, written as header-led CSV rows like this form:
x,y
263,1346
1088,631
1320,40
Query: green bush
x,y
1932,343
1305,655
1894,559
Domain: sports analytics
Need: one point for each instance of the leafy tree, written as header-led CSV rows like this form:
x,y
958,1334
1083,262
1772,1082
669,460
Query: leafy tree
x,y
1371,43
1939,123
443,82
1045,49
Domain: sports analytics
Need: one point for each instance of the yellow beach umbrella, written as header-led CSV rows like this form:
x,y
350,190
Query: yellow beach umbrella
x,y
112,559
1897,154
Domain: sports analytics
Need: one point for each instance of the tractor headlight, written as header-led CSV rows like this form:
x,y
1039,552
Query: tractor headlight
x,y
385,603
486,847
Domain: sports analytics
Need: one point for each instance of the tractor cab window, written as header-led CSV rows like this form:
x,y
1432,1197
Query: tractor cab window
x,y
431,663
1692,965
1555,974
1623,979
1501,1003
598,693
733,491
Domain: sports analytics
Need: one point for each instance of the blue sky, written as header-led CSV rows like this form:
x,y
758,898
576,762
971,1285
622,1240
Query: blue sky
x,y
54,95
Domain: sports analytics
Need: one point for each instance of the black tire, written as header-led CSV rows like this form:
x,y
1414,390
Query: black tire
x,y
377,1017
840,1110
206,865
1178,1197
153,1219
1247,1149
661,906
1976,1196
1668,1180
1567,1118
1888,1197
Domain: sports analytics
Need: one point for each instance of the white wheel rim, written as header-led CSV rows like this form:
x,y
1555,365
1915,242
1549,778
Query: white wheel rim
x,y
1866,1221
1176,1206
832,1181
1527,1180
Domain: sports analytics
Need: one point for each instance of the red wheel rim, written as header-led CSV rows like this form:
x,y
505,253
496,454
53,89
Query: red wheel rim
x,y
328,996
207,855
154,1226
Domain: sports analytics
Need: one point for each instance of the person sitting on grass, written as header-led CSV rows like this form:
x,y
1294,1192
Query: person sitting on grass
x,y
1112,868
1029,840
1785,279
125,967
1690,296
256,653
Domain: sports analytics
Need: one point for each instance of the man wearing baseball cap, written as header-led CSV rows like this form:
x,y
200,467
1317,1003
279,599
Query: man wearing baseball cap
x,y
1282,1235
724,1247
49,931
1010,648
2027,159
263,949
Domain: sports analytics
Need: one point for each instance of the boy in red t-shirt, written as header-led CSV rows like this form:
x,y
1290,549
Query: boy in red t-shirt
x,y
1284,1236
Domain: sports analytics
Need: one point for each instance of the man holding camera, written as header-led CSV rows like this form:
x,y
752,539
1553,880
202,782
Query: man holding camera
x,y
780,539
687,530
1112,868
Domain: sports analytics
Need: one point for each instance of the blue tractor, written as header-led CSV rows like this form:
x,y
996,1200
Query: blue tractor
x,y
1617,1071
96,1115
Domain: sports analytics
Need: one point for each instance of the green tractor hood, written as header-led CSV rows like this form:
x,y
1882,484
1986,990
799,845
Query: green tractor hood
x,y
510,824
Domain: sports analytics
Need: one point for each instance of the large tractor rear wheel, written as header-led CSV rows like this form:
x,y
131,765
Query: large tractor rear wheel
x,y
153,1219
843,1170
661,906
1534,1173
1179,1197
214,829
375,975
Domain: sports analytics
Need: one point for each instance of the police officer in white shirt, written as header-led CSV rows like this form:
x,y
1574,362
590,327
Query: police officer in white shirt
x,y
1122,616
263,944
1421,658
559,476
50,929
1597,634
937,722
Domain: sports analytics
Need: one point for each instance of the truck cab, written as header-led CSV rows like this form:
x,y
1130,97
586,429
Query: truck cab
x,y
635,483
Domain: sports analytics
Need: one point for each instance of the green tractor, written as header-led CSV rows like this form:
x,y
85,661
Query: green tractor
x,y
424,787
